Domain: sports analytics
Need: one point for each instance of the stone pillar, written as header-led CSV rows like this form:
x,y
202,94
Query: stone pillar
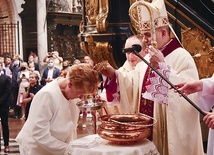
x,y
42,44
18,9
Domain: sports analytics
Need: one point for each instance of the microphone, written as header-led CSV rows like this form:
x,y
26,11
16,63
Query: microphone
x,y
135,47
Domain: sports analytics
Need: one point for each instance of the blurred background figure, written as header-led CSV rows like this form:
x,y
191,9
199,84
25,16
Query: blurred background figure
x,y
66,65
31,90
2,60
31,62
56,59
5,85
32,70
17,57
23,80
15,67
76,61
65,68
7,62
35,57
50,73
88,60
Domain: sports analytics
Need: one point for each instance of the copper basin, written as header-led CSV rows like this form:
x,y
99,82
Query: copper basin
x,y
125,128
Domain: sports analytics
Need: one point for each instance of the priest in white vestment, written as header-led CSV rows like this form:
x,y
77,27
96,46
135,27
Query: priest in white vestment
x,y
129,65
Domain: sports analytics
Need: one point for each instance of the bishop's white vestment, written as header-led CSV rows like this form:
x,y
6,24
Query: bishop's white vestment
x,y
177,130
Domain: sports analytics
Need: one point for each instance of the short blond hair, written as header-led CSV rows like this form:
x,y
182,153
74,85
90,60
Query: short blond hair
x,y
24,64
84,77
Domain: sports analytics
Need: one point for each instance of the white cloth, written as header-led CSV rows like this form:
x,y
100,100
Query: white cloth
x,y
86,142
51,124
206,102
177,130
101,146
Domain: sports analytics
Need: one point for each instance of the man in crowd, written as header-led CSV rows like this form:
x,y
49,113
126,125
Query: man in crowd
x,y
5,84
15,67
50,73
31,62
57,60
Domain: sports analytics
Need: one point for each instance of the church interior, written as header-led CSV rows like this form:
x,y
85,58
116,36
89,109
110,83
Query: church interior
x,y
99,29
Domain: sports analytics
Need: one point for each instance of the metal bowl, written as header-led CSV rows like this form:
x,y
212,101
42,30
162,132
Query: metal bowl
x,y
123,122
91,104
125,137
125,128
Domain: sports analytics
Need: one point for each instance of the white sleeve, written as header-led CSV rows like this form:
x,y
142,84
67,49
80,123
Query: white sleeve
x,y
206,96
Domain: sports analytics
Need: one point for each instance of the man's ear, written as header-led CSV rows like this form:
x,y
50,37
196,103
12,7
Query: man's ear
x,y
69,85
164,32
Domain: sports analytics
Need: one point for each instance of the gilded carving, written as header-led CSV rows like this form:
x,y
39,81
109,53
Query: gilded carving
x,y
106,53
101,22
96,14
81,27
91,9
98,51
201,49
96,40
89,45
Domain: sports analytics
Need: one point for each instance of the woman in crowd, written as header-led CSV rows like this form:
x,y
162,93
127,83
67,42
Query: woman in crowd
x,y
32,70
32,89
76,61
65,68
53,114
23,80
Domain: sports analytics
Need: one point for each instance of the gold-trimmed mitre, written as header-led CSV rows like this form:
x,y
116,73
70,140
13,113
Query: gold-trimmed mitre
x,y
144,14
